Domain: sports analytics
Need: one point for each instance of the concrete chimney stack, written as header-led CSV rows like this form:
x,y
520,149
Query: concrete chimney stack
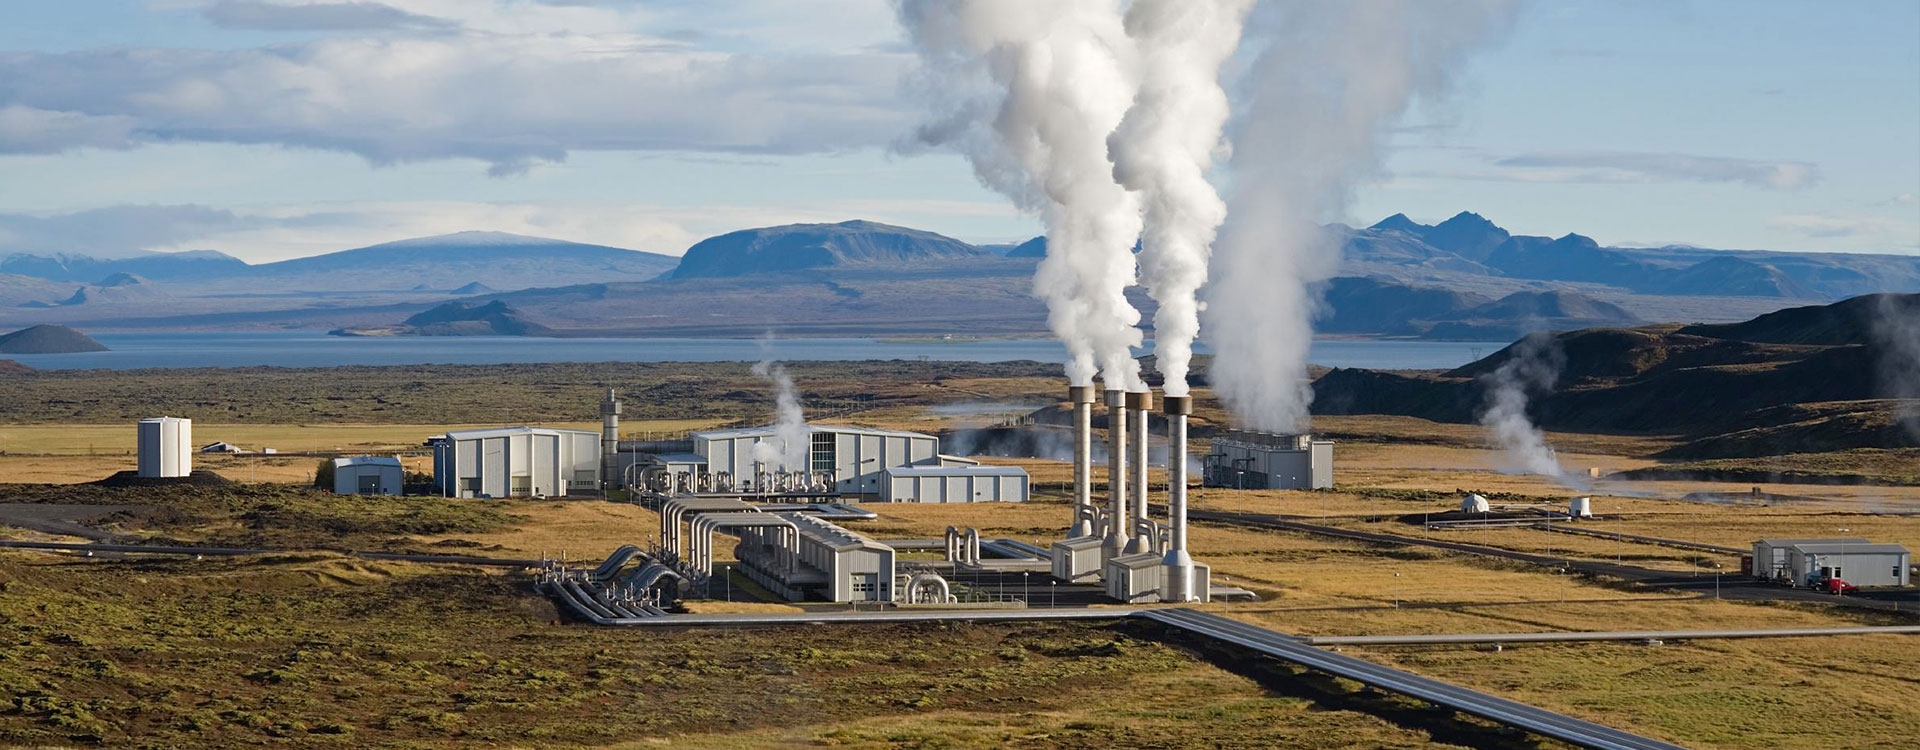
x,y
1179,564
1082,398
1138,404
609,439
1117,509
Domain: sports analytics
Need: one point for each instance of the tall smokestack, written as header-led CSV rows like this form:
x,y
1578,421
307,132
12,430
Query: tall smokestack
x,y
1138,402
609,439
1179,564
1082,398
1116,473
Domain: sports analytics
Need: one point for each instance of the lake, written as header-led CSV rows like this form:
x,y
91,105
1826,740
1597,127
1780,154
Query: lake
x,y
311,349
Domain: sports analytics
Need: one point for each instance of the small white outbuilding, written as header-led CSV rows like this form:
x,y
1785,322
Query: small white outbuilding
x,y
368,475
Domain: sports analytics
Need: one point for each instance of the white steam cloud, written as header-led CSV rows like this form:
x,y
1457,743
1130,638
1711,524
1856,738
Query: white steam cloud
x,y
1029,92
1163,150
1319,99
1533,364
1897,330
787,449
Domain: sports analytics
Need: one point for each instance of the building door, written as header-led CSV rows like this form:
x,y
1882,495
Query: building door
x,y
369,485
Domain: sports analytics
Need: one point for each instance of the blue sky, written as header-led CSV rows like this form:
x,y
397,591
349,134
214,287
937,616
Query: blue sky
x,y
280,128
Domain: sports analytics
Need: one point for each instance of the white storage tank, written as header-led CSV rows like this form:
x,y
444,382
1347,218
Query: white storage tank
x,y
1474,503
1580,507
166,447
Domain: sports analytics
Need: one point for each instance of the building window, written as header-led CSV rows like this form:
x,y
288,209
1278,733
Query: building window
x,y
824,458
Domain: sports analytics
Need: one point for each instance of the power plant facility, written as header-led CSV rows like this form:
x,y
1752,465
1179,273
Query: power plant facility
x,y
1247,460
1816,563
517,462
166,447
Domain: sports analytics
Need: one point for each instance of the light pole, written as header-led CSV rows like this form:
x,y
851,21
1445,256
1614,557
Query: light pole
x,y
1052,590
1023,587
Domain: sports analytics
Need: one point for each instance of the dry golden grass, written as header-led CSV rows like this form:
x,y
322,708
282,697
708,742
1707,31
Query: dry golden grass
x,y
583,530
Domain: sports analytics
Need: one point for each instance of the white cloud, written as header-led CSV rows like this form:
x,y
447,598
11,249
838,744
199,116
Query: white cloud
x,y
1826,225
1631,166
319,16
511,99
29,130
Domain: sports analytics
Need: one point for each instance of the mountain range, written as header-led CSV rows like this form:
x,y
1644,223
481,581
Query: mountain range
x,y
1463,278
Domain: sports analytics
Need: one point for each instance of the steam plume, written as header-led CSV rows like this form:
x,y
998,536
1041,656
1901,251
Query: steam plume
x,y
1163,150
1318,102
787,450
1029,91
1896,329
1533,363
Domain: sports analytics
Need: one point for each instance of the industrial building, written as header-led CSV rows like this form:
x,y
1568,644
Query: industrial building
x,y
841,461
955,484
1805,562
832,563
517,462
1248,460
166,447
368,475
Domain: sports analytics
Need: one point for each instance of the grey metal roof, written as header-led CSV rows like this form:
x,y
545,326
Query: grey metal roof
x,y
1815,540
1850,548
955,471
388,461
830,534
768,430
493,432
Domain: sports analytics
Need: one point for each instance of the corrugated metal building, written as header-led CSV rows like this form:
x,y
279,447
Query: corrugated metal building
x,y
166,447
367,475
858,456
955,484
1770,555
517,462
1858,564
1247,460
835,564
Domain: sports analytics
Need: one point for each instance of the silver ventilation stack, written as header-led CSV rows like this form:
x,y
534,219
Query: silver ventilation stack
x,y
1138,403
1083,511
609,440
1116,473
1179,565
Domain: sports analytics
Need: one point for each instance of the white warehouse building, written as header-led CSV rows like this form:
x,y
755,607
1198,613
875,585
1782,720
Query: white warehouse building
x,y
517,462
884,465
166,447
956,484
367,475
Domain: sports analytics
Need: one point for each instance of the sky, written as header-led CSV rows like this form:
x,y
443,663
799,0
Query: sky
x,y
270,129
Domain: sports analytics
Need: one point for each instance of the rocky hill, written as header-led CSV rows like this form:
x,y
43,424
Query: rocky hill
x,y
1729,395
459,318
10,367
191,264
48,339
799,246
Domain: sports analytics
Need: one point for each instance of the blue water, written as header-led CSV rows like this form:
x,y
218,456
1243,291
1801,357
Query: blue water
x,y
310,349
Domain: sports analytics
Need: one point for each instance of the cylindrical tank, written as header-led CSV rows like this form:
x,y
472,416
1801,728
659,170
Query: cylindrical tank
x,y
166,447
1580,507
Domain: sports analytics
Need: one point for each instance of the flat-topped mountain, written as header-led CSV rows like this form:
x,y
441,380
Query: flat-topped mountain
x,y
48,339
490,259
799,246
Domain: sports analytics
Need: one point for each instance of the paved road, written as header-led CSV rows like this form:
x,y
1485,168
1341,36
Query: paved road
x,y
1723,585
1531,718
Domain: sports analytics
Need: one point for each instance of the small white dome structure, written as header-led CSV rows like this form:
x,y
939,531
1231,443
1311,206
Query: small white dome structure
x,y
1474,503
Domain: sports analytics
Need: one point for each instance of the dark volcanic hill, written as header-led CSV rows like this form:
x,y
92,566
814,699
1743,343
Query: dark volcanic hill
x,y
10,367
1850,322
799,246
494,318
1730,395
48,339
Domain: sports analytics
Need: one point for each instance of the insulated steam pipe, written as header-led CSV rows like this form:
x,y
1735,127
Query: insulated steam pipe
x,y
1179,565
1138,402
1082,398
1116,473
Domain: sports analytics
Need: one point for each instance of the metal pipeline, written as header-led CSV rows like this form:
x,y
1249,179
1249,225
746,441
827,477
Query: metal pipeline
x,y
1116,473
1083,513
1179,564
1138,402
